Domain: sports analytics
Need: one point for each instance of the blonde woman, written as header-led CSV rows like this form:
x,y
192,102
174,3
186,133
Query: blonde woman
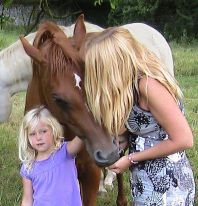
x,y
128,88
48,164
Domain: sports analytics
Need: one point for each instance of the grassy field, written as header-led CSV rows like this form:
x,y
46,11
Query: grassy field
x,y
186,70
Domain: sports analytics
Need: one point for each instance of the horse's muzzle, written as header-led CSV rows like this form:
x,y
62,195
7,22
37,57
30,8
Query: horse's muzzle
x,y
106,158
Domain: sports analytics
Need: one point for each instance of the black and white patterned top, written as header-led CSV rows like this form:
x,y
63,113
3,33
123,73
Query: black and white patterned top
x,y
165,181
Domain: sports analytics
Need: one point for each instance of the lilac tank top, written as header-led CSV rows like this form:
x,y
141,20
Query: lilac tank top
x,y
54,180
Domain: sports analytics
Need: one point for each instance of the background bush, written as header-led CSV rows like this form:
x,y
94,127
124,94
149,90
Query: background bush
x,y
176,19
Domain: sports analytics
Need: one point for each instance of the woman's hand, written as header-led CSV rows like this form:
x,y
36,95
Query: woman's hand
x,y
121,165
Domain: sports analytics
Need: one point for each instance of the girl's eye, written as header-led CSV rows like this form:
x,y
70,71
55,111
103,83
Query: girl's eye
x,y
32,134
43,131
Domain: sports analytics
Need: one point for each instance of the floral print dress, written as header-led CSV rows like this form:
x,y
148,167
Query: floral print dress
x,y
165,181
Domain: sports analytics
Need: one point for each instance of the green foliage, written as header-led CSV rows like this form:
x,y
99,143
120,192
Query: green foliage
x,y
178,19
7,3
3,18
175,19
132,11
113,3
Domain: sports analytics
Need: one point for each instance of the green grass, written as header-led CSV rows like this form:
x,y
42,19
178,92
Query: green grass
x,y
8,37
10,183
186,64
186,70
185,56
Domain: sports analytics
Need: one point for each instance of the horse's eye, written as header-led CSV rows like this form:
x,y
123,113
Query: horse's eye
x,y
61,102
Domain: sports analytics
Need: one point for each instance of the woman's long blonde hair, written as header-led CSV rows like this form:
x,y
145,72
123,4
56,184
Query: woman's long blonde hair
x,y
114,62
27,154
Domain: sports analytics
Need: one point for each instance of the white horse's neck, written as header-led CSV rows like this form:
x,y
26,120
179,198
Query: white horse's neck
x,y
15,67
15,74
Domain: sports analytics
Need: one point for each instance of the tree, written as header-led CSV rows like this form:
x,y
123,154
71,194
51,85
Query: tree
x,y
46,8
3,18
176,19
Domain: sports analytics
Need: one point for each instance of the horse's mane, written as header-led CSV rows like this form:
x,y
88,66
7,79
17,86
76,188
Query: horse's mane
x,y
58,61
18,56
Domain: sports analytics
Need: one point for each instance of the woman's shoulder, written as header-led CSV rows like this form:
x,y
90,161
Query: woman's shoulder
x,y
145,84
149,86
148,82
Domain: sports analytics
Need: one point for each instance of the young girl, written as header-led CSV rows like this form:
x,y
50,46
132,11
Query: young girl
x,y
48,170
126,84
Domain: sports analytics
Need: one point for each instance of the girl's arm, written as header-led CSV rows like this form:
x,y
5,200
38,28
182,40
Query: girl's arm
x,y
162,105
27,199
74,146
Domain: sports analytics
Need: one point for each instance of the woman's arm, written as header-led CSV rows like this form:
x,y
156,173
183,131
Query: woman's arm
x,y
162,105
168,114
27,199
74,146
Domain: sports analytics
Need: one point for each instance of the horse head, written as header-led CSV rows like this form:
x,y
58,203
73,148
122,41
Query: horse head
x,y
58,74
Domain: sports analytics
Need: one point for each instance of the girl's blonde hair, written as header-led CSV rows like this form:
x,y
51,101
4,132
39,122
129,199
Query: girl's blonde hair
x,y
114,63
27,154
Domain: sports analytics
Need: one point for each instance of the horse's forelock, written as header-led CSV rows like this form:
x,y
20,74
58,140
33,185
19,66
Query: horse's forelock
x,y
41,37
58,62
44,33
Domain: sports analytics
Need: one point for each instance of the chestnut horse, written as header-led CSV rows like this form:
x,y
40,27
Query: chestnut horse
x,y
57,84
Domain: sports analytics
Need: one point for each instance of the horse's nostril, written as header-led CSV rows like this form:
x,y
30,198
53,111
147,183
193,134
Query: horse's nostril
x,y
105,159
99,156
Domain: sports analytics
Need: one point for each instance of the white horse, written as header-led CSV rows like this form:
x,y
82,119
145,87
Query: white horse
x,y
16,68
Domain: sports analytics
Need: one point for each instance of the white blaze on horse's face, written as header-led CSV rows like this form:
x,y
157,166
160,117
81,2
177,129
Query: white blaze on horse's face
x,y
78,80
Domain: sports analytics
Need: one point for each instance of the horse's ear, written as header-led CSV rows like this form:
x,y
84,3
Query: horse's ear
x,y
79,31
31,51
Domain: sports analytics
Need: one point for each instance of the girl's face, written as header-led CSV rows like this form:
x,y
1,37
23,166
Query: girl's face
x,y
41,139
